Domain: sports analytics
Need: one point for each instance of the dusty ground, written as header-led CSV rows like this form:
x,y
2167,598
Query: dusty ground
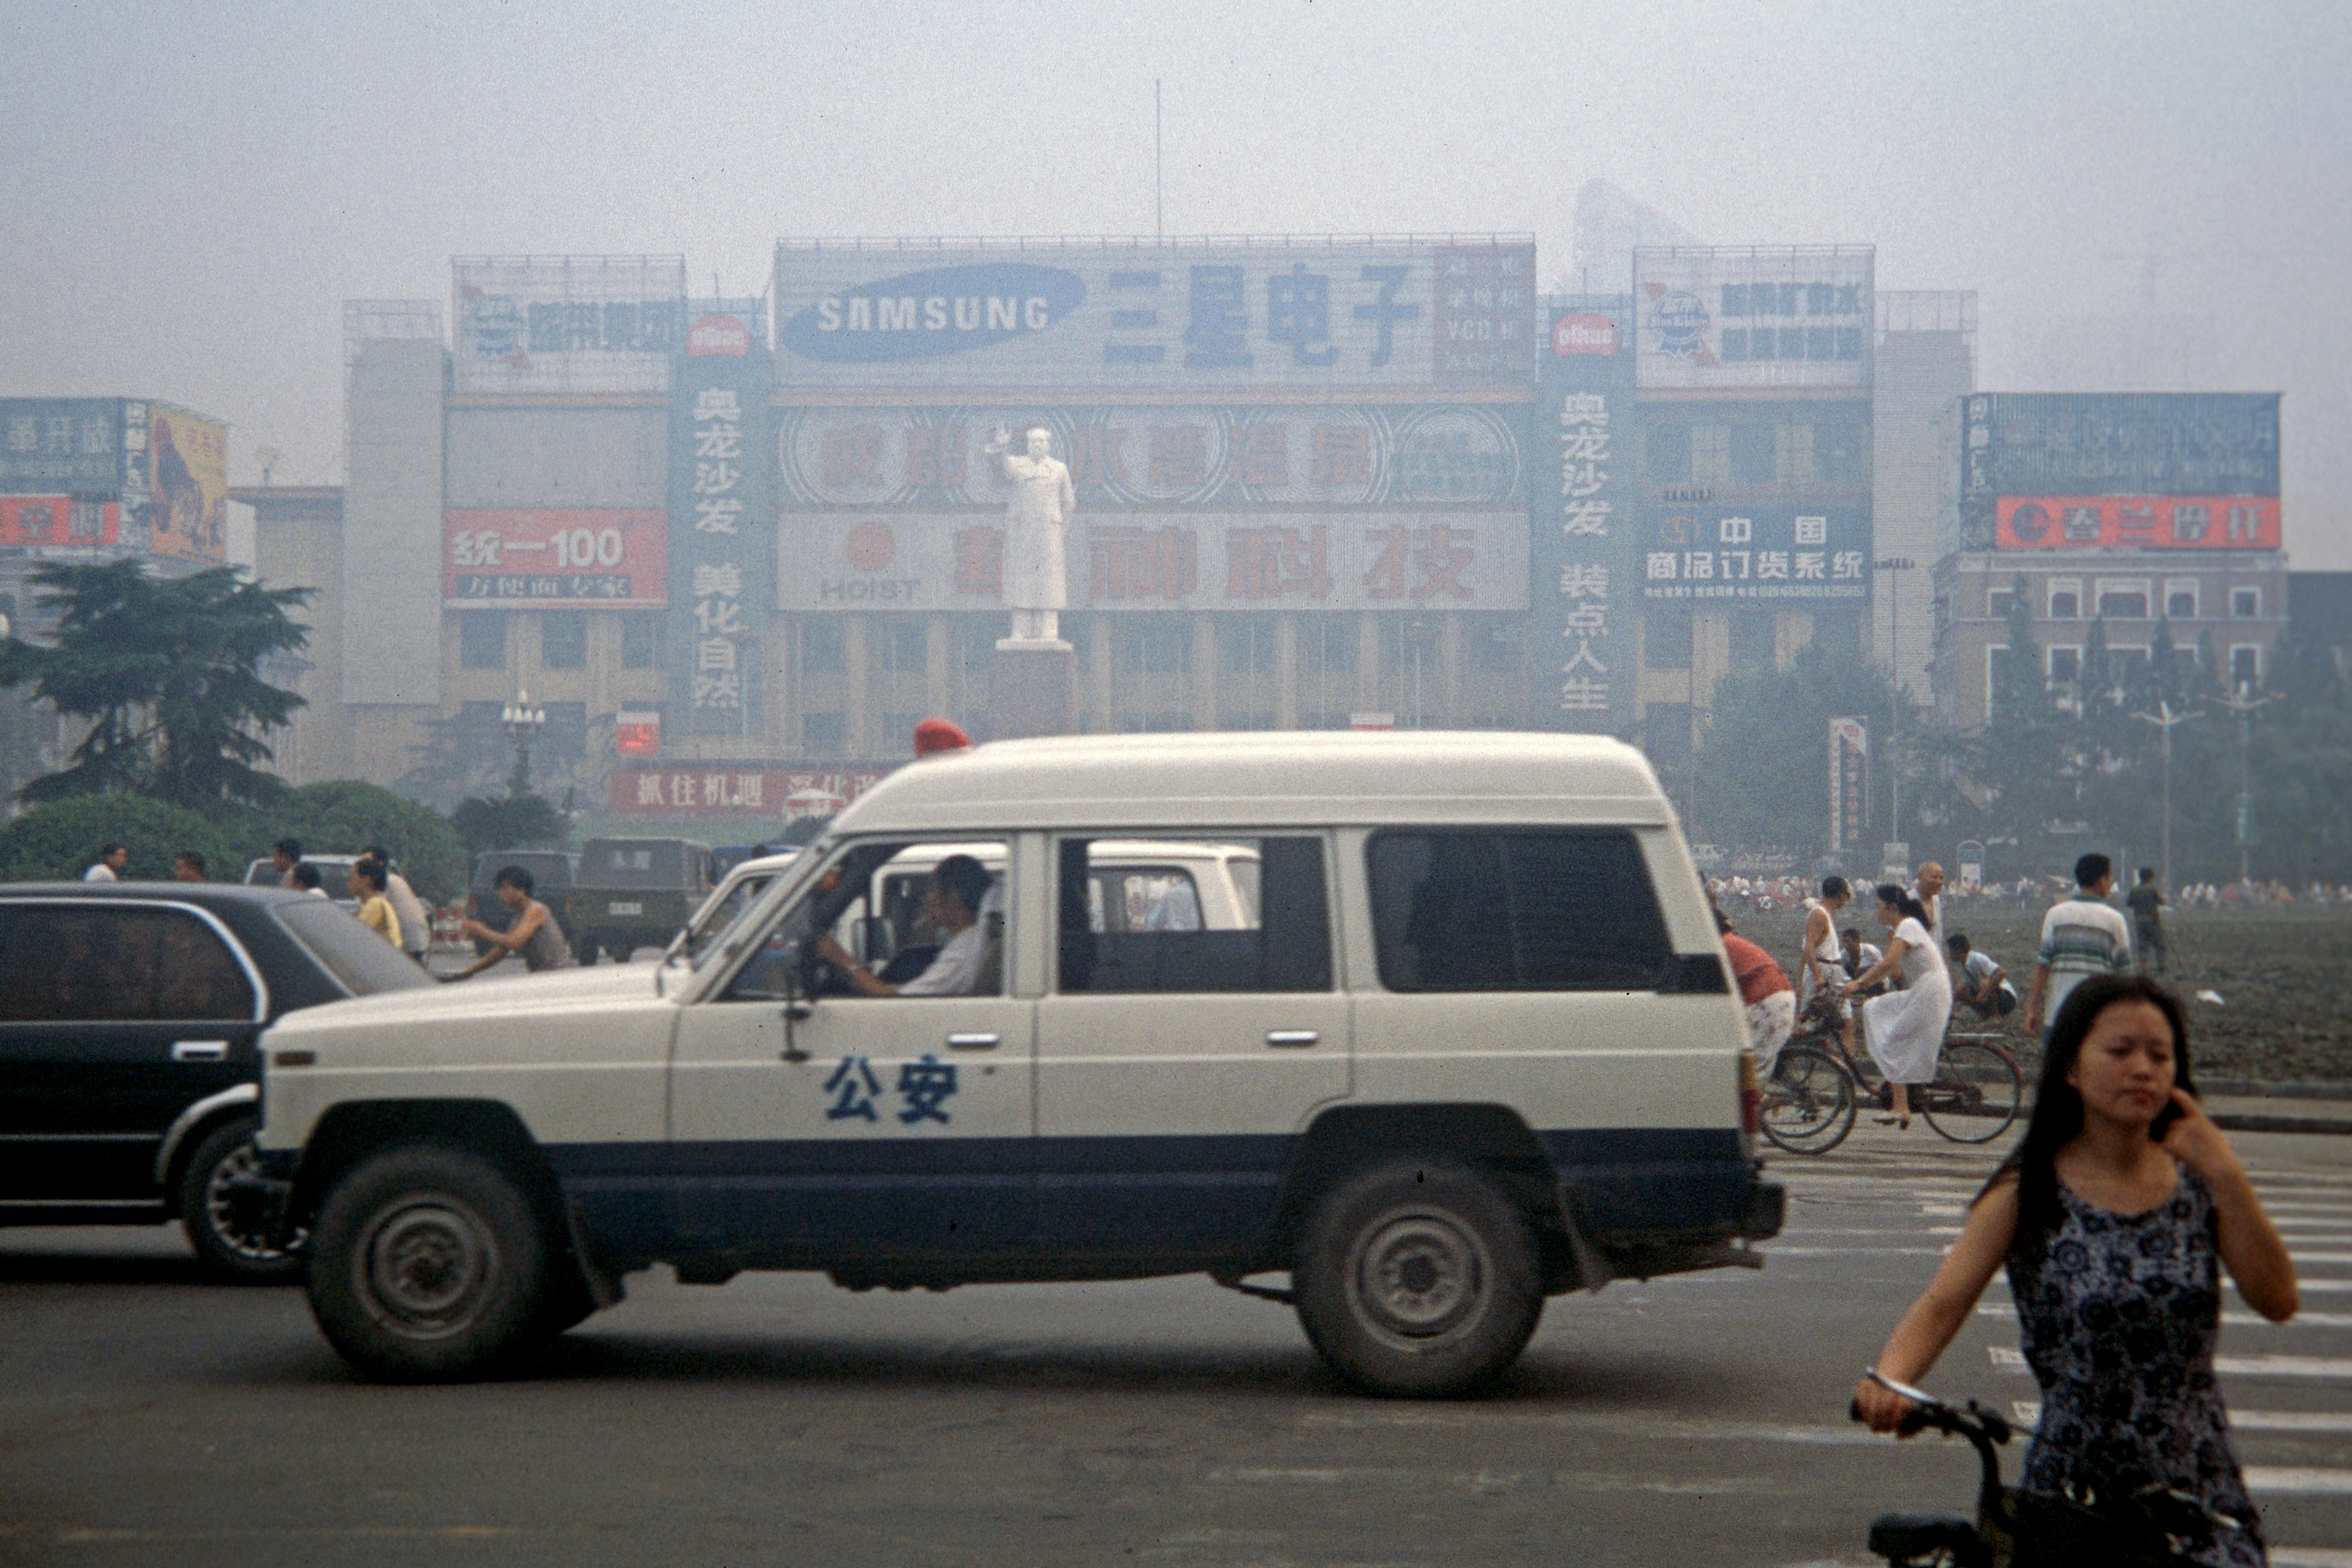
x,y
2284,980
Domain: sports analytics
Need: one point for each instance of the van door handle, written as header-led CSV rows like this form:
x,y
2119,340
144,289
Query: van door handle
x,y
200,1050
973,1042
1291,1038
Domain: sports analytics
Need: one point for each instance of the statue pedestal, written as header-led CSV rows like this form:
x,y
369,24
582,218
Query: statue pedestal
x,y
1033,690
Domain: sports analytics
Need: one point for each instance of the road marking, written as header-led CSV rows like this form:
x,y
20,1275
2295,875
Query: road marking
x,y
2319,1256
1771,1251
2028,1413
2311,1557
2011,1360
1664,1428
2246,1320
2296,1478
1489,1481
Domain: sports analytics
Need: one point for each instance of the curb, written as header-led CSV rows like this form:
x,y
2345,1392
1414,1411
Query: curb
x,y
2248,1121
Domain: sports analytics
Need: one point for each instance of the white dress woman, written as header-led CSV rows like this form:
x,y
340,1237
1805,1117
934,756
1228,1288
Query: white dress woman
x,y
1905,1029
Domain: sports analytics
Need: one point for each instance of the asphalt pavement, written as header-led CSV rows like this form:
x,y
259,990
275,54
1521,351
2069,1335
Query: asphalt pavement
x,y
149,1418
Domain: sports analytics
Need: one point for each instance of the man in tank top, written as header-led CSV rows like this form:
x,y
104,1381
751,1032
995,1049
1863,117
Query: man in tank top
x,y
534,935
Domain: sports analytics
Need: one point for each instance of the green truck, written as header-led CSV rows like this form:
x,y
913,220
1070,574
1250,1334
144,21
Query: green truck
x,y
630,893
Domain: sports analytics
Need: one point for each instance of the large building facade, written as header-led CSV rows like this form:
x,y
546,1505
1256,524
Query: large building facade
x,y
2143,515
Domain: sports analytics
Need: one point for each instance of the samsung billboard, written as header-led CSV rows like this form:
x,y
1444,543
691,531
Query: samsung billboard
x,y
1324,313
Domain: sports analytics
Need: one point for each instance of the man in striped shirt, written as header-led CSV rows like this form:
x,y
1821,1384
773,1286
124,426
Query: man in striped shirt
x,y
2083,936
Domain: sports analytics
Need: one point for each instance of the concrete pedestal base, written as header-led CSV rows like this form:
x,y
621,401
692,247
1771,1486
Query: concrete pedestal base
x,y
1033,691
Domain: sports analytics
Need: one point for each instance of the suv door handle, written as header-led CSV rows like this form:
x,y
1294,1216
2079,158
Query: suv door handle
x,y
973,1042
1291,1038
200,1050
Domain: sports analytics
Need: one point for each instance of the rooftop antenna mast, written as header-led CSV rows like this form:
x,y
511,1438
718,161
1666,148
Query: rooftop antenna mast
x,y
1158,187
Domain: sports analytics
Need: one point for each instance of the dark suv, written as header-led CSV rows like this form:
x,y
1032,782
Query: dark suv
x,y
129,1013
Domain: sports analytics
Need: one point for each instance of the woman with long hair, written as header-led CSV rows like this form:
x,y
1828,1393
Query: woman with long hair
x,y
1905,1029
2115,1218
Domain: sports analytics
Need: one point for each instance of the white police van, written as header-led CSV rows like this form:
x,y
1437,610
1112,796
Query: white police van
x,y
1473,1043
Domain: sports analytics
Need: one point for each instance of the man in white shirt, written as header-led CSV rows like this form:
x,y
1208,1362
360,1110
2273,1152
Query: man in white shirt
x,y
112,859
959,890
2083,936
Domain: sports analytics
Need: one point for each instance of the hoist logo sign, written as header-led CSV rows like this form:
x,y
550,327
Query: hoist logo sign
x,y
921,315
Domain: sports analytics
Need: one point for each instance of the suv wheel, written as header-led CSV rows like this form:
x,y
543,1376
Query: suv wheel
x,y
1418,1278
223,1230
429,1263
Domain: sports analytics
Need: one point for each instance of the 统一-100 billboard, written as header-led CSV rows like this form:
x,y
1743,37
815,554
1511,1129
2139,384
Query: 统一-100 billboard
x,y
1742,319
601,559
1094,314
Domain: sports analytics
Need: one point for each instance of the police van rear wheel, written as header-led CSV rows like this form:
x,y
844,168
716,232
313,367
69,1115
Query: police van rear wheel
x,y
428,1264
1418,1279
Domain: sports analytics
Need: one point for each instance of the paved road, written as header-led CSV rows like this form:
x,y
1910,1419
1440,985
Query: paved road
x,y
146,1418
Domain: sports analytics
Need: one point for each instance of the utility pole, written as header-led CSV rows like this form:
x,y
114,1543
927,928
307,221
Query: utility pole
x,y
2167,721
1158,184
1895,668
2245,704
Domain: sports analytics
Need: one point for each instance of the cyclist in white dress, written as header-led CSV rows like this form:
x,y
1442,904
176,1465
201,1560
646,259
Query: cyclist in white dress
x,y
1905,1029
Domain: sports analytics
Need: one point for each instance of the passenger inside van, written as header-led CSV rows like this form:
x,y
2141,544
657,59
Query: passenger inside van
x,y
952,903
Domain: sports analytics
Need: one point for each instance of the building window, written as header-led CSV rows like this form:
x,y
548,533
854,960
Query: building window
x,y
823,649
1668,450
2065,666
2245,603
637,641
1151,645
1837,452
1752,461
900,647
1793,458
1996,671
2124,601
564,737
1997,602
1326,671
2065,599
1246,645
1710,459
563,640
2245,666
2125,666
824,735
482,639
2180,600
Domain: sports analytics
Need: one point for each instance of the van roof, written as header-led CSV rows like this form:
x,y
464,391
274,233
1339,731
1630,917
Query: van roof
x,y
1265,779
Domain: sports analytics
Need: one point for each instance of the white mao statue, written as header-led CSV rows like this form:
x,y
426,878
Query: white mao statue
x,y
1036,528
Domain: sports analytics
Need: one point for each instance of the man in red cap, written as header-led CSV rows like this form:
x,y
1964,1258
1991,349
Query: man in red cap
x,y
940,735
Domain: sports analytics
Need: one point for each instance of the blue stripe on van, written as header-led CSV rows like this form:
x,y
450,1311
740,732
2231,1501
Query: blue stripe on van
x,y
1179,1198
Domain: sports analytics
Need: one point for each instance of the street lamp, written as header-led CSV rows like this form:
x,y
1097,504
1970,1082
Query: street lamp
x,y
1902,690
523,717
2165,719
2244,703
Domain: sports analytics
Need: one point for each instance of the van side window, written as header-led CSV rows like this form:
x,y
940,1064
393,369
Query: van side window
x,y
1175,915
1485,911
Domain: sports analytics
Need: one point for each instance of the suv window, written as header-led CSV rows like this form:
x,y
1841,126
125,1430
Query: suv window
x,y
61,963
871,902
1134,927
1485,911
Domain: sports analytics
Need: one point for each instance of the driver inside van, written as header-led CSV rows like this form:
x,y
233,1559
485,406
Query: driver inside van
x,y
959,889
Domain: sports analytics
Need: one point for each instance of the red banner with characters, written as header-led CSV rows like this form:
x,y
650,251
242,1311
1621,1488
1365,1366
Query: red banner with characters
x,y
2137,523
58,521
577,560
726,789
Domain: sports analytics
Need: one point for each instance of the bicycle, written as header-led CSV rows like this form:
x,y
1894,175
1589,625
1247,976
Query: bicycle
x,y
1814,1091
2153,1527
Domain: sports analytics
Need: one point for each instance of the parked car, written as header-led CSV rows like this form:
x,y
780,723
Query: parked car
x,y
1470,1043
129,1016
630,893
551,872
334,876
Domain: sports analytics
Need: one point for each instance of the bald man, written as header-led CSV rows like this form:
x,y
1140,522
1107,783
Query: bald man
x,y
1930,890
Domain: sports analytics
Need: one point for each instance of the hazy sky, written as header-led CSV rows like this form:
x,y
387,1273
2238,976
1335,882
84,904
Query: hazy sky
x,y
192,190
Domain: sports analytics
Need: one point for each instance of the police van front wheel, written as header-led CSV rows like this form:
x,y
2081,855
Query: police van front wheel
x,y
1418,1279
429,1264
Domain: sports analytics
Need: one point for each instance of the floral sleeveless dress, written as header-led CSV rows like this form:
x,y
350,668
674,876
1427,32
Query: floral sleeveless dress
x,y
2118,1322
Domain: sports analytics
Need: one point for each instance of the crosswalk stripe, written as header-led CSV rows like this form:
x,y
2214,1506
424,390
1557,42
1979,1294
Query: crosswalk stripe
x,y
2028,1414
2010,1359
2296,1478
2248,1319
2311,1557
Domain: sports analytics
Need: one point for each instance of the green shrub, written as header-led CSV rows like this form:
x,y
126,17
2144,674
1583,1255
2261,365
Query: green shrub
x,y
60,840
